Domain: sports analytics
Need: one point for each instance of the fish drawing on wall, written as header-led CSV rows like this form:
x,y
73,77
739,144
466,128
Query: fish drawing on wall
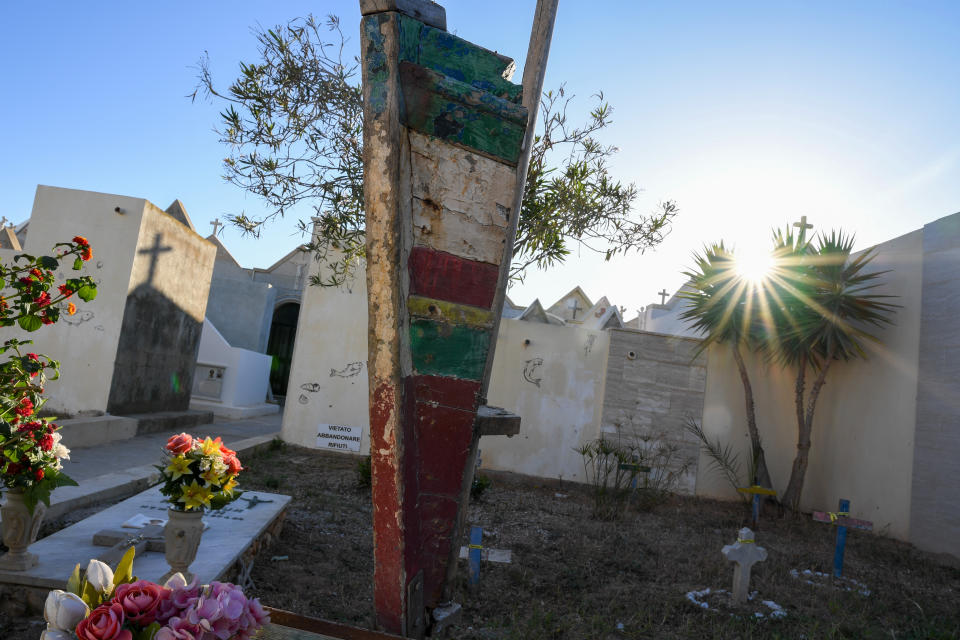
x,y
531,370
349,371
78,318
312,387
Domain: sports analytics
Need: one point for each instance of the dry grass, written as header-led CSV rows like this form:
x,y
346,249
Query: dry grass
x,y
577,578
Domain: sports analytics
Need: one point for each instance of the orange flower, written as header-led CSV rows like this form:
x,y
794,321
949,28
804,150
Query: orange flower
x,y
71,308
87,252
80,240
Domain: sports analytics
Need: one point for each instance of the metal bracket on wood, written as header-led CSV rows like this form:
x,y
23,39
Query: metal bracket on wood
x,y
495,421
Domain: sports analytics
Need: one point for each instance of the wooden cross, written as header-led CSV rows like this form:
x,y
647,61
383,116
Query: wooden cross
x,y
3,221
154,253
576,307
663,296
637,469
757,491
842,519
803,227
216,225
149,538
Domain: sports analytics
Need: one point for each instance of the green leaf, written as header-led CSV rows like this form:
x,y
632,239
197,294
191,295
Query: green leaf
x,y
77,264
90,595
74,584
87,293
124,570
49,262
148,632
30,323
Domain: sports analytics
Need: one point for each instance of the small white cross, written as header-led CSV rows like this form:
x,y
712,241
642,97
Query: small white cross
x,y
216,225
663,296
745,553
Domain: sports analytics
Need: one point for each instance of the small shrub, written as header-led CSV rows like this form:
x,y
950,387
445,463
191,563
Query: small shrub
x,y
603,462
364,472
277,444
272,482
480,484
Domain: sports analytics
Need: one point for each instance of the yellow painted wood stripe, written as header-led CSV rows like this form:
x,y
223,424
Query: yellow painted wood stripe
x,y
450,312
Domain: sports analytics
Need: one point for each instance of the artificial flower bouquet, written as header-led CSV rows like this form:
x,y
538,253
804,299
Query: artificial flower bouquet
x,y
199,473
113,605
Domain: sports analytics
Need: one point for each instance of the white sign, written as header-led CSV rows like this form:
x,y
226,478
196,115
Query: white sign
x,y
338,437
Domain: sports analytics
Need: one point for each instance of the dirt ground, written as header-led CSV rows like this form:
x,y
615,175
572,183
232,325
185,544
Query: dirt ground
x,y
573,577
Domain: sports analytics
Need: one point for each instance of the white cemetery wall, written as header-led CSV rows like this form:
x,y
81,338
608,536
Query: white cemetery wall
x,y
246,374
328,375
863,432
86,343
556,384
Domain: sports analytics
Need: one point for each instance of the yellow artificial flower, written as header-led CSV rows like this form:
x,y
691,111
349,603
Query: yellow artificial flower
x,y
230,485
179,466
212,477
195,497
210,448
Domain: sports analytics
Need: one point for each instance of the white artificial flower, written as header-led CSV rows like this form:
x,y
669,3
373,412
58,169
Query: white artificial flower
x,y
219,466
63,610
205,464
56,634
57,437
100,577
61,452
176,581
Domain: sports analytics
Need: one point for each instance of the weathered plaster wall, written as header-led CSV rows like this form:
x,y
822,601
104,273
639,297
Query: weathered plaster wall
x,y
86,343
863,432
163,317
935,505
555,384
328,376
241,308
654,384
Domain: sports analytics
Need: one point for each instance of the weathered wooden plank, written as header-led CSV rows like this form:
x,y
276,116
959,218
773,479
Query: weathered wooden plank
x,y
443,441
464,209
444,276
460,91
495,421
451,312
285,625
461,60
429,13
446,392
477,127
448,350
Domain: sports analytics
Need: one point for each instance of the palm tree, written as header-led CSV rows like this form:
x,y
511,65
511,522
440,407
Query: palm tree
x,y
722,305
818,304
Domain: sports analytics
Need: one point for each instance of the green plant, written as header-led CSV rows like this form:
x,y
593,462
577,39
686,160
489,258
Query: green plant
x,y
293,121
364,472
666,463
480,484
723,458
607,468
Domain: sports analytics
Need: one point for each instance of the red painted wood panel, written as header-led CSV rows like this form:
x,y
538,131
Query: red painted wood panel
x,y
443,442
447,392
444,276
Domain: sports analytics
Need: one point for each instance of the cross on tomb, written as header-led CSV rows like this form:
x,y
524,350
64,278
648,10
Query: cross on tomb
x,y
842,519
745,553
663,296
757,491
154,253
254,501
149,538
575,307
216,225
3,221
803,225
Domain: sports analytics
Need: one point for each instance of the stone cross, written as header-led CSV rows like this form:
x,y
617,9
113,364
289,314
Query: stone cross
x,y
663,296
149,538
3,221
216,225
745,553
803,227
575,307
154,253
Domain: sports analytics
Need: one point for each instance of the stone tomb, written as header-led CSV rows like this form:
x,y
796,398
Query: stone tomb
x,y
233,536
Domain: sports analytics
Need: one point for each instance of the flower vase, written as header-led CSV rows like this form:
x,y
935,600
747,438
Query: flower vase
x,y
181,538
20,529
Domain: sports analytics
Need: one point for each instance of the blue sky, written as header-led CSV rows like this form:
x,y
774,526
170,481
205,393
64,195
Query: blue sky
x,y
748,114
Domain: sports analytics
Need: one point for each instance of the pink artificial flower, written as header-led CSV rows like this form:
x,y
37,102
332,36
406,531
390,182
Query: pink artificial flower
x,y
104,623
141,600
180,444
178,629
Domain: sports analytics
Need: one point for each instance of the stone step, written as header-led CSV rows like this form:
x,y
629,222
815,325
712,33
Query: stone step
x,y
95,431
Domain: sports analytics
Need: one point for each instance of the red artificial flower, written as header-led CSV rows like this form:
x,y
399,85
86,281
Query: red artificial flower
x,y
87,253
104,623
26,280
38,474
80,240
140,600
46,442
180,444
37,274
45,319
33,356
43,299
65,290
25,408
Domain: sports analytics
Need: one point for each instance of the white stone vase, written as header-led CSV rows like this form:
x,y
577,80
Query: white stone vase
x,y
181,538
20,529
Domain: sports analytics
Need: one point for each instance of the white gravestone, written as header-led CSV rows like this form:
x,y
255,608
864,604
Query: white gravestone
x,y
745,553
339,437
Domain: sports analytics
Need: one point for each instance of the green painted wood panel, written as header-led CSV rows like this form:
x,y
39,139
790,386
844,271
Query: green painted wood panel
x,y
443,349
